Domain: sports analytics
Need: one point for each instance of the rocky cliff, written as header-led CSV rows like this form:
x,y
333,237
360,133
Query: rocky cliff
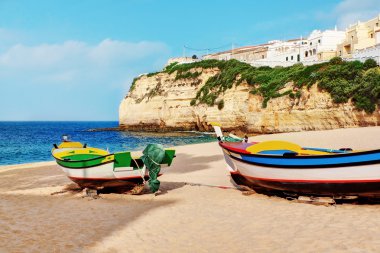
x,y
162,102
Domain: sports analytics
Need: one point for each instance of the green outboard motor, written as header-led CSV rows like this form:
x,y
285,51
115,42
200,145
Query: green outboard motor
x,y
152,157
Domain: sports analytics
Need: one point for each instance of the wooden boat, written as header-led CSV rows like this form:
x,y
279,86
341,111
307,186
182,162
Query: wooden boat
x,y
96,168
287,167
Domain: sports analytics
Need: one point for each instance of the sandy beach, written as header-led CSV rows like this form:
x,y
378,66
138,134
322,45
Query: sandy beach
x,y
187,216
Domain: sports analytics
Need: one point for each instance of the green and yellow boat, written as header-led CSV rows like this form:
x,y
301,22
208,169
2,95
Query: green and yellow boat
x,y
96,168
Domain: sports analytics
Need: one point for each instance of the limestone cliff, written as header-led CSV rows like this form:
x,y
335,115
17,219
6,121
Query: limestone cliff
x,y
162,103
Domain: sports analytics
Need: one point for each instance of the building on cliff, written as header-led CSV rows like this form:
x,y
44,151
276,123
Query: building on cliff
x,y
360,36
282,53
182,60
318,46
322,45
368,53
244,54
358,42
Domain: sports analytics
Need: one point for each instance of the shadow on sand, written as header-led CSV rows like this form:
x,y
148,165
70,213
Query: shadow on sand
x,y
66,224
189,163
240,184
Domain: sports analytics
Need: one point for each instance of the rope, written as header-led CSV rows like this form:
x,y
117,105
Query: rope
x,y
153,161
213,186
140,170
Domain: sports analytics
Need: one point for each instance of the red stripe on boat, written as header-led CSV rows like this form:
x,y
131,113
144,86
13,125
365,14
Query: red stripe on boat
x,y
309,181
105,179
239,147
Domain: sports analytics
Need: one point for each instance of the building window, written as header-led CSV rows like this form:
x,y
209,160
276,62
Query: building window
x,y
286,58
371,35
319,41
262,57
377,24
310,52
311,43
340,53
314,51
291,57
306,53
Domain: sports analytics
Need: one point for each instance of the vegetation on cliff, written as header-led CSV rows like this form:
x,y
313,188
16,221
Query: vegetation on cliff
x,y
344,80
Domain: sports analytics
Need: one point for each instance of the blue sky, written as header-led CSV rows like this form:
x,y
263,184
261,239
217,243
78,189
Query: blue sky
x,y
74,60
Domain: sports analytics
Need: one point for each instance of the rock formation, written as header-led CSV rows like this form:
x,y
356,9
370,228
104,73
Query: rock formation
x,y
161,103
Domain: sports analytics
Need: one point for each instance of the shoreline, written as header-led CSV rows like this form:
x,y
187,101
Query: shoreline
x,y
26,165
287,136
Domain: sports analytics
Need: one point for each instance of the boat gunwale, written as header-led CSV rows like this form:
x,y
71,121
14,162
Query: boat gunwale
x,y
85,167
365,152
305,166
73,161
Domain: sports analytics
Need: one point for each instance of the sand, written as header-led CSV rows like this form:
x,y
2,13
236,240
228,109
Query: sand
x,y
184,217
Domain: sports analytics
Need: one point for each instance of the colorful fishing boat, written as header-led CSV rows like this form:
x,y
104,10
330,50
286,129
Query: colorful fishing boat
x,y
96,168
290,168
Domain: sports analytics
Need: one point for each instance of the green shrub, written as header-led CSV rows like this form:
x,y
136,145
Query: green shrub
x,y
367,92
369,63
343,80
133,85
364,103
193,102
152,74
186,75
336,60
170,66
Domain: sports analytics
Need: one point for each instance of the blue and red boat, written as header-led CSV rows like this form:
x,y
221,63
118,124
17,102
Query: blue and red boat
x,y
290,168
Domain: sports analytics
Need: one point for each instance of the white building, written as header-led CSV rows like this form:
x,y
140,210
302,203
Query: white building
x,y
318,46
282,53
368,53
181,60
244,54
321,46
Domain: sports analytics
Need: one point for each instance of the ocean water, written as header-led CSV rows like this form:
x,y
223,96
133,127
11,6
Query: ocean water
x,y
24,142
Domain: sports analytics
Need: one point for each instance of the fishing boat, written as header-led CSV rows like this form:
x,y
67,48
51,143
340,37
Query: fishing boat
x,y
289,168
96,168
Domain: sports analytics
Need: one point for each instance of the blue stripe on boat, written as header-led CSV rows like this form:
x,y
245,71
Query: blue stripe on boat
x,y
326,150
315,161
276,152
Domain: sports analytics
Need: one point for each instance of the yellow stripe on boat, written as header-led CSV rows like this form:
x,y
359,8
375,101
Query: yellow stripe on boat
x,y
282,145
273,145
82,151
70,144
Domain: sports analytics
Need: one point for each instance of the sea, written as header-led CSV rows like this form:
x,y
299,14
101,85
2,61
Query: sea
x,y
25,142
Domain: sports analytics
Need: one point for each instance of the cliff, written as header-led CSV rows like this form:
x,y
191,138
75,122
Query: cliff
x,y
167,101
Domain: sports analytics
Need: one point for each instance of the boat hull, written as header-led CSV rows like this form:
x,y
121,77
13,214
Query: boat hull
x,y
362,179
107,183
107,176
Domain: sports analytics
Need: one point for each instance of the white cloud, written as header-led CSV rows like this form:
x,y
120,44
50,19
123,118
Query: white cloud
x,y
350,11
76,60
109,51
74,53
72,73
